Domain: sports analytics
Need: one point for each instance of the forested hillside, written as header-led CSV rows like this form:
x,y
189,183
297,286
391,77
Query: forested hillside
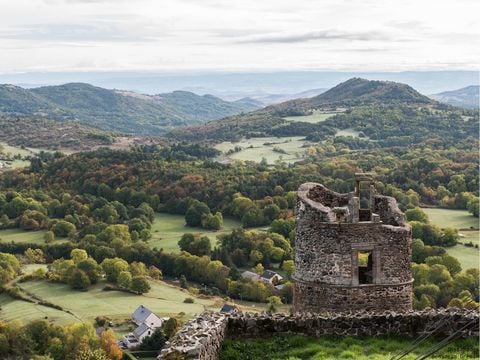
x,y
385,113
119,111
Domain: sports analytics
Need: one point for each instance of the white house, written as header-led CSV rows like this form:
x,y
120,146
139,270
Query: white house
x,y
144,316
271,277
147,322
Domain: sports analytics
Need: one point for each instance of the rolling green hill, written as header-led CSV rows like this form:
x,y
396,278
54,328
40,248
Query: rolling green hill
x,y
354,92
398,100
113,110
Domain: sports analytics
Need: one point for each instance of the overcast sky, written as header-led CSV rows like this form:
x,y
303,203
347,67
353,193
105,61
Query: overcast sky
x,y
363,35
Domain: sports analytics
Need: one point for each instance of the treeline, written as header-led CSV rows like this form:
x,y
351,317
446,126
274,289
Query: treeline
x,y
40,339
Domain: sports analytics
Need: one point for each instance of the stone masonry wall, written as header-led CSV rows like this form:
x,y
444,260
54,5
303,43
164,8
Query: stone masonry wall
x,y
326,254
312,297
202,337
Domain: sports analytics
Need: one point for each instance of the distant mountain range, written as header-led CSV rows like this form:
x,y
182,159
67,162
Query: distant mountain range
x,y
233,85
115,110
467,97
259,98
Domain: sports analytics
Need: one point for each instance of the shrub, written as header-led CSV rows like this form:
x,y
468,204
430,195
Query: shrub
x,y
189,300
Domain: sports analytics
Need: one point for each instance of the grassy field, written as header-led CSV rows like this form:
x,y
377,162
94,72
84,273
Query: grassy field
x,y
468,256
300,347
454,218
22,236
164,299
255,149
16,150
316,117
167,229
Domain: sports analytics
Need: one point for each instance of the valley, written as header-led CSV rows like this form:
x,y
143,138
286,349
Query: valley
x,y
96,220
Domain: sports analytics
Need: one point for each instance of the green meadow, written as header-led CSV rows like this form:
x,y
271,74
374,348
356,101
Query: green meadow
x,y
361,348
460,219
167,229
315,117
272,149
22,236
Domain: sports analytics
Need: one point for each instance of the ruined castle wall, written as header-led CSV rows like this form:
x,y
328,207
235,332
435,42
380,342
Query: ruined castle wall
x,y
324,252
387,208
310,297
202,337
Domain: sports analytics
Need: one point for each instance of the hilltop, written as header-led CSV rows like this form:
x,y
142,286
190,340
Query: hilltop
x,y
114,110
353,93
467,97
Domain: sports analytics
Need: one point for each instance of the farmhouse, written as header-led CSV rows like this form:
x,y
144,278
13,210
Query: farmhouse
x,y
268,276
271,277
147,322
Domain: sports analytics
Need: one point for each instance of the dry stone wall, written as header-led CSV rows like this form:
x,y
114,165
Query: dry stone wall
x,y
202,337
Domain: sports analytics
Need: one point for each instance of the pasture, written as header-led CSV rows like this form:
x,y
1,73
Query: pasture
x,y
164,299
315,117
22,236
460,219
272,149
167,229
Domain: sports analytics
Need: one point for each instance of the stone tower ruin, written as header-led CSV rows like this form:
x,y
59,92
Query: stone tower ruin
x,y
352,251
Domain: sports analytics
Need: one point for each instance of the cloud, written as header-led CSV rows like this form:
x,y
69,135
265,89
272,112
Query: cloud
x,y
315,36
99,32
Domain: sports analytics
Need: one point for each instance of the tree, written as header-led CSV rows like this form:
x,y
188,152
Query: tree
x,y
473,206
450,262
155,273
78,255
196,213
213,222
170,327
273,302
108,343
91,268
140,285
416,214
63,228
124,280
253,217
49,237
258,269
113,267
79,280
183,282
288,267
185,241
153,342
195,245
35,256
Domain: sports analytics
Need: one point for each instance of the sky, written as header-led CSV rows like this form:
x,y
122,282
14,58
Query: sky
x,y
359,35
